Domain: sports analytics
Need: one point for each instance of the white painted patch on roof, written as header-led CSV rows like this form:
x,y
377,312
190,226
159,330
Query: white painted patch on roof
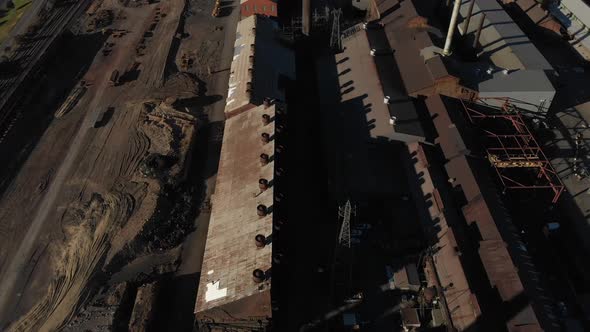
x,y
214,292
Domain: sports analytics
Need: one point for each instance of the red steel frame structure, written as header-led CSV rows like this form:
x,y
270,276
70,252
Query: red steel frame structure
x,y
517,148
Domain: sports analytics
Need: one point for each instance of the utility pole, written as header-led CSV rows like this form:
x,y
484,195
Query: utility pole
x,y
335,40
478,32
345,212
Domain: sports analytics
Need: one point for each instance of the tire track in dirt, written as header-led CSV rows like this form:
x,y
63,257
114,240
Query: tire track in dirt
x,y
89,240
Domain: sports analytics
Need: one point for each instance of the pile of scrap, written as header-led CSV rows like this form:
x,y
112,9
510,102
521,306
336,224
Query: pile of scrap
x,y
71,101
100,20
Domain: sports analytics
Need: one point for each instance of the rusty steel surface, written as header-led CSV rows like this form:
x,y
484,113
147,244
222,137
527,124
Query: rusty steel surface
x,y
502,252
508,140
231,254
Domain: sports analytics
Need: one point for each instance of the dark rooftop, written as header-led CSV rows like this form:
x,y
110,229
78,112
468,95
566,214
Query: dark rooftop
x,y
365,80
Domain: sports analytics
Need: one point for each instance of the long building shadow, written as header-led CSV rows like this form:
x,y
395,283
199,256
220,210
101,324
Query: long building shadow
x,y
32,109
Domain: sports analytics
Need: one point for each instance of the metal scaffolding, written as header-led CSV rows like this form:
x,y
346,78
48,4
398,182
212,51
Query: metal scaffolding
x,y
512,149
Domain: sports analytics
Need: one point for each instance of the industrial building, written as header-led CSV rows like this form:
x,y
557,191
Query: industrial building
x,y
235,285
384,87
423,70
474,298
364,79
574,15
260,7
261,65
515,68
507,60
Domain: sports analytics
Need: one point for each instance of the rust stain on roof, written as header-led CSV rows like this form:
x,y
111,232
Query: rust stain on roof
x,y
231,255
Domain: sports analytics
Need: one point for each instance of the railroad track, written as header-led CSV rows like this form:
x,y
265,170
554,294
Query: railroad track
x,y
29,54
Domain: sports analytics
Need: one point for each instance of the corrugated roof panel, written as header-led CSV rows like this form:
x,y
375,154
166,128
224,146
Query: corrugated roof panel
x,y
259,62
230,253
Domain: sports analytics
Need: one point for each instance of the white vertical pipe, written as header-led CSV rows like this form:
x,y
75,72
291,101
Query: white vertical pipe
x,y
452,26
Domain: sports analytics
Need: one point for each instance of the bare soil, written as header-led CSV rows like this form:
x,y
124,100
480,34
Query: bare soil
x,y
104,190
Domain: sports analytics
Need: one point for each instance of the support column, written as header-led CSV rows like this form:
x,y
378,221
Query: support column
x,y
478,33
468,18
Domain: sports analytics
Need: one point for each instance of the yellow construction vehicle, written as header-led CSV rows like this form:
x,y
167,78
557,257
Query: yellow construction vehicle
x,y
216,8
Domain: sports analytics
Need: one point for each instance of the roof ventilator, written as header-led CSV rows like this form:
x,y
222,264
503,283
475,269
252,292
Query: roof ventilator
x,y
263,184
265,137
260,240
262,210
258,276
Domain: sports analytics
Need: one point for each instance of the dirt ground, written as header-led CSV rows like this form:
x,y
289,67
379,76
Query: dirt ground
x,y
102,185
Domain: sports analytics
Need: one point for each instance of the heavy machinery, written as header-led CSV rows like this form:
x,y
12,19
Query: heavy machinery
x,y
216,8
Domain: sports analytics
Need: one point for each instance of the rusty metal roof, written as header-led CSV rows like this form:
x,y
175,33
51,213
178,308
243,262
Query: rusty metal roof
x,y
503,254
365,80
463,305
231,255
415,50
258,64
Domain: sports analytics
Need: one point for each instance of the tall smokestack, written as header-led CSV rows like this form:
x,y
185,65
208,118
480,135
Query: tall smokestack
x,y
305,17
452,26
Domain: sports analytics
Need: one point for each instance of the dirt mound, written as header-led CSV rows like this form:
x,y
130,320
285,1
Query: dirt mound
x,y
170,133
179,86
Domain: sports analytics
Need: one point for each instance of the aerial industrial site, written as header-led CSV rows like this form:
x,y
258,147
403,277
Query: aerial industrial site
x,y
295,165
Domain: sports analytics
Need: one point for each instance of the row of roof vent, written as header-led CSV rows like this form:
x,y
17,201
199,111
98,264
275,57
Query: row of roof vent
x,y
262,210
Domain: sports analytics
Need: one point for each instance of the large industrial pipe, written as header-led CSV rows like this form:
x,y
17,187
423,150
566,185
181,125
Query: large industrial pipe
x,y
468,18
452,26
264,159
263,184
478,33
